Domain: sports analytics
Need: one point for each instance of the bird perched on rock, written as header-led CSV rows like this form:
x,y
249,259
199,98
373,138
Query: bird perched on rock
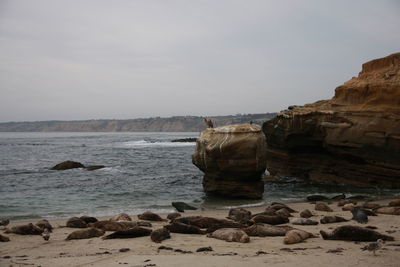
x,y
46,234
374,246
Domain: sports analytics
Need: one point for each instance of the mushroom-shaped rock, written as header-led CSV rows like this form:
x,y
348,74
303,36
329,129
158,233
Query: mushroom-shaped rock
x,y
233,158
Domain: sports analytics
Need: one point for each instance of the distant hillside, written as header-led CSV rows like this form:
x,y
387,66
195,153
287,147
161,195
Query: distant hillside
x,y
157,124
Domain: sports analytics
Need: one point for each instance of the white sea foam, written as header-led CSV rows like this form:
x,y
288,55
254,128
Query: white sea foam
x,y
144,143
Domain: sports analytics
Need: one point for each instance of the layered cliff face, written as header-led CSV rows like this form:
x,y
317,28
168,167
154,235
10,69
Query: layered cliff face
x,y
233,158
353,138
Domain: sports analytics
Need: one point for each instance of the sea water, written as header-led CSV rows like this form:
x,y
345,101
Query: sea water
x,y
144,171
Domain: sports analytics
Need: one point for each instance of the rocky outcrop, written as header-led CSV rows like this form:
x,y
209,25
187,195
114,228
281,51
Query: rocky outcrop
x,y
353,138
233,158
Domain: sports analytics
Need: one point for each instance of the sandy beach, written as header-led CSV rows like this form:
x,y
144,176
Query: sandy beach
x,y
32,250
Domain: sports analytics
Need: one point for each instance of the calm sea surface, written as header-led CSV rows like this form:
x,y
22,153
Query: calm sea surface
x,y
144,171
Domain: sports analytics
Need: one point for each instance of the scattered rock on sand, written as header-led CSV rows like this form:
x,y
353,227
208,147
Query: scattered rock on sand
x,y
129,233
76,222
296,236
4,238
66,165
230,235
320,206
160,235
306,214
150,216
354,233
85,233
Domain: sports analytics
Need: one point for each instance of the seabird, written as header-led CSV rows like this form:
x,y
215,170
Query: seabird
x,y
374,246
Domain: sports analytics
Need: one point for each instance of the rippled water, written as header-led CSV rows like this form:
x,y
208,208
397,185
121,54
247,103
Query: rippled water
x,y
145,171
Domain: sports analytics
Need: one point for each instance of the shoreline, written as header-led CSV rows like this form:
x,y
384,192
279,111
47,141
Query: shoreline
x,y
261,251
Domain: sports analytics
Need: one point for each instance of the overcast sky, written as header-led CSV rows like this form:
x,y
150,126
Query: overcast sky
x,y
116,59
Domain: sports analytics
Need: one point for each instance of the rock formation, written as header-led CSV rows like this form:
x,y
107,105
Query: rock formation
x,y
233,158
352,138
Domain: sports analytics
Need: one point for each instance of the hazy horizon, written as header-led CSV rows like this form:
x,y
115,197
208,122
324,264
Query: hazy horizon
x,y
83,60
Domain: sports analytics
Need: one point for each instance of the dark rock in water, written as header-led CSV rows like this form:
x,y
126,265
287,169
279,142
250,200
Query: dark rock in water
x,y
4,238
182,206
26,229
66,165
85,233
185,140
354,233
352,138
129,233
88,219
94,167
76,222
160,235
317,198
233,159
177,227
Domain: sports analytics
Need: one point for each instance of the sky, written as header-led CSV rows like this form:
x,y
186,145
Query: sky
x,y
125,59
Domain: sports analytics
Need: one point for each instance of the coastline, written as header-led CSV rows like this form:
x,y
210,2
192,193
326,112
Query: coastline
x,y
34,251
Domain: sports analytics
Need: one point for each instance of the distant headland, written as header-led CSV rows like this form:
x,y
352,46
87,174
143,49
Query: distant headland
x,y
155,124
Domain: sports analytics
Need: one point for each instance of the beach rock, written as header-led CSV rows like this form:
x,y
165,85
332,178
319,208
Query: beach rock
x,y
85,233
129,233
88,219
239,215
160,235
260,229
296,236
273,220
230,235
394,203
332,219
182,206
76,222
321,206
4,238
66,165
354,233
173,215
121,217
371,205
306,214
233,159
94,167
352,138
26,229
177,227
108,225
44,224
150,216
303,221
388,210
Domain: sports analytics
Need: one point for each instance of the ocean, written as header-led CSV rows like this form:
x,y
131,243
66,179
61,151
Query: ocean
x,y
144,171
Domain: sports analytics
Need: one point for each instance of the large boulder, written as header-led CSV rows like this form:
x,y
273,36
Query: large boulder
x,y
352,138
233,158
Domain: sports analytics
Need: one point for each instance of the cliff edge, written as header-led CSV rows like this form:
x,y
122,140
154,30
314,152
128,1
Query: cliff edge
x,y
352,138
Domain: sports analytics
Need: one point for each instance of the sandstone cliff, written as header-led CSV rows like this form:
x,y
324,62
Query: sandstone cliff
x,y
352,138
